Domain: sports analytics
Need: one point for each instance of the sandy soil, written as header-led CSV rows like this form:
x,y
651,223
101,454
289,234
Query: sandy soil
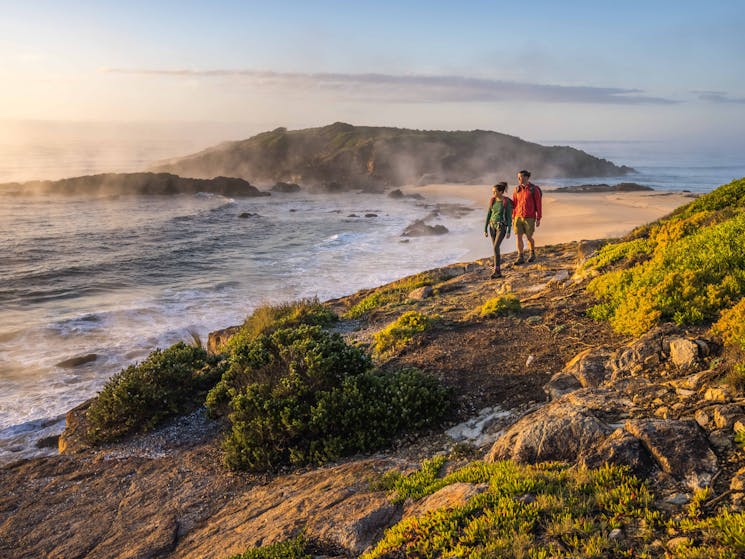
x,y
566,216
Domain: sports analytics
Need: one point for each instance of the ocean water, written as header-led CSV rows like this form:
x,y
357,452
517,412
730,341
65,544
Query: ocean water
x,y
118,277
661,165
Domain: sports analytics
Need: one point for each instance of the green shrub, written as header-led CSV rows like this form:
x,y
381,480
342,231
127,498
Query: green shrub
x,y
305,355
167,383
290,549
268,318
399,333
500,306
303,395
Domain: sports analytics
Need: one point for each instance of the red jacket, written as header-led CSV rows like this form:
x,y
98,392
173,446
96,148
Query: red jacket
x,y
527,201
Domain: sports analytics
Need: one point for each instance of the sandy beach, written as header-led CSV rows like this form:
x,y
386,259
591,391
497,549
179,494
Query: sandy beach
x,y
566,216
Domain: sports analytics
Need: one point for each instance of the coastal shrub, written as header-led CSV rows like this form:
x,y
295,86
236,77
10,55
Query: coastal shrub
x,y
416,484
552,510
731,325
687,281
500,306
542,510
671,230
267,318
306,355
289,549
400,332
728,197
613,253
684,268
168,383
721,535
393,293
302,395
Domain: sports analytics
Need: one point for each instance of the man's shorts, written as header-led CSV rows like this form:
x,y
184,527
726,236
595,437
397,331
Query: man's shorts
x,y
525,226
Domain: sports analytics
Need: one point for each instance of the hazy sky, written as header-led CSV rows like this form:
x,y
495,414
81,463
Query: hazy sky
x,y
540,70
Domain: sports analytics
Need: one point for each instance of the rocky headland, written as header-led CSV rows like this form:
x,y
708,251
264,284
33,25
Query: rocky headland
x,y
535,381
343,156
142,184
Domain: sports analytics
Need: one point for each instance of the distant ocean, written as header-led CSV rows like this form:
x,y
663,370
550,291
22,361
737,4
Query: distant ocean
x,y
119,277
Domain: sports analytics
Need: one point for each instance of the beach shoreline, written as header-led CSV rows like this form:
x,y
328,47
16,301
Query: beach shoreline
x,y
567,216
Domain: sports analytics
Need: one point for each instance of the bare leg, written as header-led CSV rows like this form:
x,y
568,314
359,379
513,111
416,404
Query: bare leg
x,y
520,245
531,242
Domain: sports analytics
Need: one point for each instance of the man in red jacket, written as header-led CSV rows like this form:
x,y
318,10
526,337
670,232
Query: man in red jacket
x,y
526,214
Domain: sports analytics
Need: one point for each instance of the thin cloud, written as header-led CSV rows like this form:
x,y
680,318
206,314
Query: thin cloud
x,y
720,97
416,88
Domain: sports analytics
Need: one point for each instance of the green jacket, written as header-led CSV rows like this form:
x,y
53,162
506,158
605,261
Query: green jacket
x,y
499,214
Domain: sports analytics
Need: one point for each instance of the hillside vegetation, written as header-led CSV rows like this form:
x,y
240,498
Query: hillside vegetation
x,y
341,156
686,268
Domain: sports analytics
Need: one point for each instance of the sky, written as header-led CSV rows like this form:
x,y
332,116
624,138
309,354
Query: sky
x,y
572,70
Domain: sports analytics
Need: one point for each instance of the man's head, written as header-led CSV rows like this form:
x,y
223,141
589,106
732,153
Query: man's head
x,y
523,177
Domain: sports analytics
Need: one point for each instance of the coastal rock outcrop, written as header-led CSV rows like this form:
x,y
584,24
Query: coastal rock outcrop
x,y
610,406
619,187
217,339
113,184
679,447
421,229
73,440
562,429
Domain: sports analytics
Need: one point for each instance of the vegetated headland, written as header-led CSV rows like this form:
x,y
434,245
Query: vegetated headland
x,y
337,158
591,404
342,156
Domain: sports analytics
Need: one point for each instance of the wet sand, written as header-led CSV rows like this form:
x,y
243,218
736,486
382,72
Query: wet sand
x,y
566,216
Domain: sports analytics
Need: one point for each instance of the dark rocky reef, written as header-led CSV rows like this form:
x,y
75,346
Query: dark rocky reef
x,y
117,184
620,187
286,187
398,195
364,157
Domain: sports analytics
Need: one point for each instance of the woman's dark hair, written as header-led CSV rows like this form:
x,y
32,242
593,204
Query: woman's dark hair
x,y
501,186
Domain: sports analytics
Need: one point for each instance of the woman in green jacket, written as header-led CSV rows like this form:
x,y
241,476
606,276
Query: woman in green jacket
x,y
498,222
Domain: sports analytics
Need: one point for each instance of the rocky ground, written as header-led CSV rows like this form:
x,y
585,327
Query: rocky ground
x,y
546,383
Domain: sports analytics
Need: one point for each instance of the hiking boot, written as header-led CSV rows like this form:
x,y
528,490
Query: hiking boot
x,y
495,274
520,260
532,257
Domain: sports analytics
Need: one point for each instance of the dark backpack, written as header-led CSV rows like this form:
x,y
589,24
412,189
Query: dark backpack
x,y
533,188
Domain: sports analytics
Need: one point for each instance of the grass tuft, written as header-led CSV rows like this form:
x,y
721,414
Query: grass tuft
x,y
500,306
